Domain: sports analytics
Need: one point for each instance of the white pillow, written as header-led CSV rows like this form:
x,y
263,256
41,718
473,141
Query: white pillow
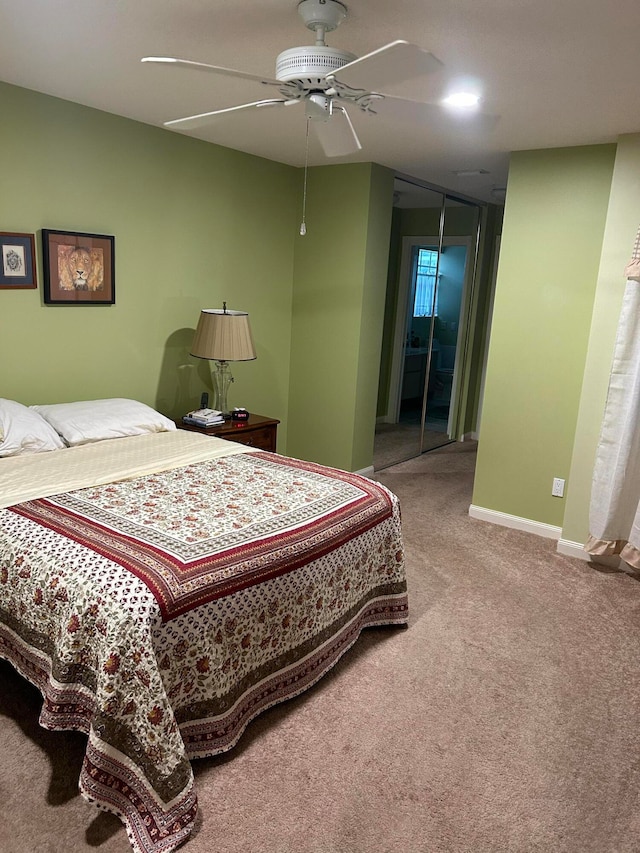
x,y
95,420
24,431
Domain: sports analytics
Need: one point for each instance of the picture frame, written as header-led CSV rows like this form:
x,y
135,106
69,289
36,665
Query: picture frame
x,y
78,268
17,261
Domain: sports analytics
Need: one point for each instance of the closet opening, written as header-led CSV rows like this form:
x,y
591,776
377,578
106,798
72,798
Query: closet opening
x,y
424,371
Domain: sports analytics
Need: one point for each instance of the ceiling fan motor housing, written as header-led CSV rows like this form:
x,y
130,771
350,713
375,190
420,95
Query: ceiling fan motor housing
x,y
310,65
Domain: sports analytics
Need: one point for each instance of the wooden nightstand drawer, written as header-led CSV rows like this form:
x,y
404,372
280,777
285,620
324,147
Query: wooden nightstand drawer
x,y
258,431
264,439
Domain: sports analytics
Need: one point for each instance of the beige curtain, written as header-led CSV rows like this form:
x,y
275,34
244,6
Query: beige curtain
x,y
614,518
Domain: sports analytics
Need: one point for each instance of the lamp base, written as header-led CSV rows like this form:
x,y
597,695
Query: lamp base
x,y
222,378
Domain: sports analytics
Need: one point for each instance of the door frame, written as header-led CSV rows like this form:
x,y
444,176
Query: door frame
x,y
487,335
402,319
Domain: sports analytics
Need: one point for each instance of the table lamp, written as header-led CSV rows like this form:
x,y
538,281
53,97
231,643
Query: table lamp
x,y
223,335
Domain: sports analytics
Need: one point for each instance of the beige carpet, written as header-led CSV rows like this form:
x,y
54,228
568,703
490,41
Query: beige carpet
x,y
503,719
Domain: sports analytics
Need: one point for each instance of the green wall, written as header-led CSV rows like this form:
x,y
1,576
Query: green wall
x,y
623,219
194,224
552,235
338,310
389,322
481,306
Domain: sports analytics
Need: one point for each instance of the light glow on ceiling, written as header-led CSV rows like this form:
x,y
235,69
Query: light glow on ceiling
x,y
462,99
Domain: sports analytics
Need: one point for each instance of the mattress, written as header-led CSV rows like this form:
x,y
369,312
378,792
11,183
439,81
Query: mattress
x,y
162,590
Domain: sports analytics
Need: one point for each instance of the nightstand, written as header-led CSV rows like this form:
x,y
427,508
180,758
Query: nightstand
x,y
258,431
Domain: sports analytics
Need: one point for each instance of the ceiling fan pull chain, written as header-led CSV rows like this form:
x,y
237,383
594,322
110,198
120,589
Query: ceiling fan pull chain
x,y
303,224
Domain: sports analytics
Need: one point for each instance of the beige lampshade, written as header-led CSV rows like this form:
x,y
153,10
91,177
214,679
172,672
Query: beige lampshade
x,y
223,335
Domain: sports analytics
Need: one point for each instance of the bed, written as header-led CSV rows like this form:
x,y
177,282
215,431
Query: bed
x,y
161,588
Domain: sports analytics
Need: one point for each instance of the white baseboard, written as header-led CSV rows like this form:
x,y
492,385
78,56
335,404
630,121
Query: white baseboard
x,y
565,546
366,472
572,549
549,531
576,549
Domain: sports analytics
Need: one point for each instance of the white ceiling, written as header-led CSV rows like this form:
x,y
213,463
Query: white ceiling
x,y
554,72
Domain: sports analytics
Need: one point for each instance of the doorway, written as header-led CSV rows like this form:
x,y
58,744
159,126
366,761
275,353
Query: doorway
x,y
436,276
432,268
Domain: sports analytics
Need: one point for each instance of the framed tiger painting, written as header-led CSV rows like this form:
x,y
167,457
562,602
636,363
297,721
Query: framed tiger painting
x,y
78,268
17,261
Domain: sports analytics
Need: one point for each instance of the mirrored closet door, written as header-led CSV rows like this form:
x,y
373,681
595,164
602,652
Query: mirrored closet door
x,y
431,273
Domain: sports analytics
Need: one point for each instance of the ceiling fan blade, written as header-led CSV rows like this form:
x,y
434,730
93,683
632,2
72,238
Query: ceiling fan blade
x,y
388,65
214,69
190,122
336,134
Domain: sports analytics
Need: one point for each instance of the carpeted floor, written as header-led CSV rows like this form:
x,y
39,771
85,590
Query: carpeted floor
x,y
396,443
504,719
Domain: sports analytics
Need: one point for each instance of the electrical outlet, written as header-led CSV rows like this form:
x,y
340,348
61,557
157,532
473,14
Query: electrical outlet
x,y
557,490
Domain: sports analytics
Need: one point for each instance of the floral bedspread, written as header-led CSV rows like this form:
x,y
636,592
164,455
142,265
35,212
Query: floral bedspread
x,y
161,614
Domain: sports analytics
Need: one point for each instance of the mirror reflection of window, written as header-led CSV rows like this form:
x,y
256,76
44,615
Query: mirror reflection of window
x,y
426,293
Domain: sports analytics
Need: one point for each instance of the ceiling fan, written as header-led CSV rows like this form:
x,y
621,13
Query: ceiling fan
x,y
327,80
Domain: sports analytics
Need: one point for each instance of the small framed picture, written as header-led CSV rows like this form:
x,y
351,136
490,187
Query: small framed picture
x,y
78,268
17,262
